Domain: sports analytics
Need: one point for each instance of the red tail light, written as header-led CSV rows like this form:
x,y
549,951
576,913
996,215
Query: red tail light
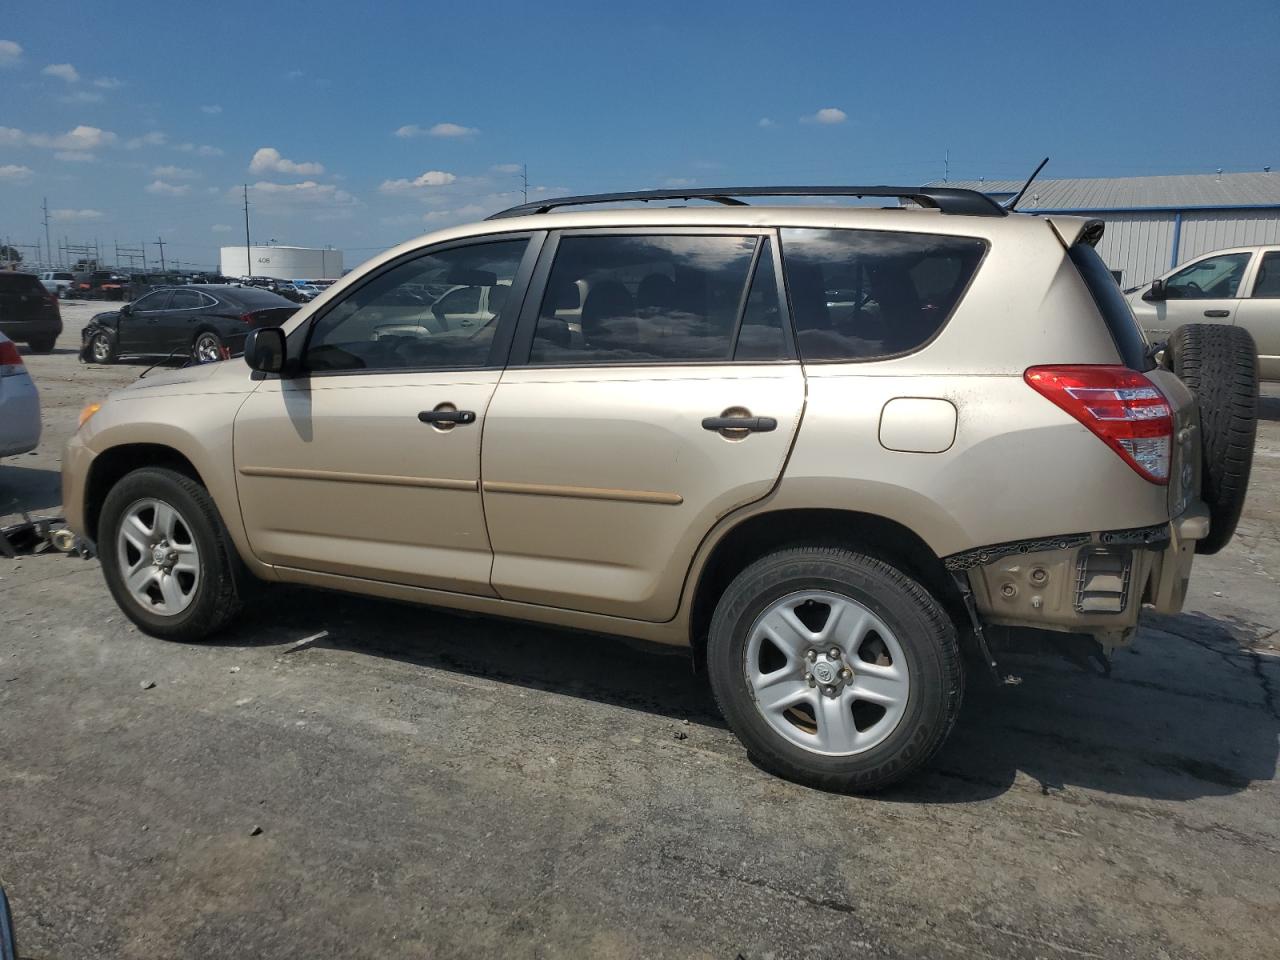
x,y
10,359
1120,406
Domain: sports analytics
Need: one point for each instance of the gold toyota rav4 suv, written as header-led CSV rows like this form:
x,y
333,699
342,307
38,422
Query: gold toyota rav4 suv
x,y
827,448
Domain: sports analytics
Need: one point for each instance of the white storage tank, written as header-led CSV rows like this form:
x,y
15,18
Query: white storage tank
x,y
282,263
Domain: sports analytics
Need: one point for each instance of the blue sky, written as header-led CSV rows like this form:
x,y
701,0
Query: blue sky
x,y
363,127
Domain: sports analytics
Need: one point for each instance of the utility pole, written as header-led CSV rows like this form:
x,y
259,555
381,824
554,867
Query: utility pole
x,y
47,245
248,254
159,242
524,181
946,166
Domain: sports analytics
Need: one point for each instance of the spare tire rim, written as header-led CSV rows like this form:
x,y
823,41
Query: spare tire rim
x,y
826,673
158,557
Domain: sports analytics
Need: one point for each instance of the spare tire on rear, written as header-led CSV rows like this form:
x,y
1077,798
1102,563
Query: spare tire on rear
x,y
1220,365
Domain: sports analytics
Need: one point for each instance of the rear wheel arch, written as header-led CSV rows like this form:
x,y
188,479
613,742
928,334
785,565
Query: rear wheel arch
x,y
114,463
871,534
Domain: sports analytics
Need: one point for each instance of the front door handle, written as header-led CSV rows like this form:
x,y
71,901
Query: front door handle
x,y
447,416
1217,313
749,424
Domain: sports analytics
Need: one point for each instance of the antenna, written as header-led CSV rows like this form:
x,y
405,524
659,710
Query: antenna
x,y
1012,204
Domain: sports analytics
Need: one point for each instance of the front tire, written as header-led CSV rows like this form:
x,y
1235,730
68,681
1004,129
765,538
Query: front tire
x,y
167,557
102,348
834,669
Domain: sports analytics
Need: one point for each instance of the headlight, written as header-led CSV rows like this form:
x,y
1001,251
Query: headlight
x,y
87,413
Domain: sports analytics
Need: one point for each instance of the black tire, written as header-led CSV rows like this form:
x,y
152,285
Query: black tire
x,y
1219,363
102,348
42,344
219,592
203,339
923,629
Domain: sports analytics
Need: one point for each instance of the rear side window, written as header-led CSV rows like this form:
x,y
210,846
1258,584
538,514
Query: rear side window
x,y
1112,305
644,299
20,283
867,294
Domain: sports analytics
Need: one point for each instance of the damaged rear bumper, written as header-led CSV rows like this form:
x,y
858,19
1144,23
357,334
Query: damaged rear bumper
x,y
1094,583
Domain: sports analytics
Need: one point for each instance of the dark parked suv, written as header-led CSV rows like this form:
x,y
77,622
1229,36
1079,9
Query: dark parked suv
x,y
28,312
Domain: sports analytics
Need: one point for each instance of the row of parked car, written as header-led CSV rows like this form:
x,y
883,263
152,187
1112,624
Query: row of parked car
x,y
110,285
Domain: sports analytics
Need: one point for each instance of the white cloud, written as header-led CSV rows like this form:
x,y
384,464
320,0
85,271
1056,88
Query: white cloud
x,y
164,189
439,130
153,139
63,71
269,160
827,115
108,83
294,74
14,171
308,191
75,214
175,173
81,138
10,53
221,228
679,182
75,156
506,168
432,178
203,149
82,96
211,108
452,130
766,123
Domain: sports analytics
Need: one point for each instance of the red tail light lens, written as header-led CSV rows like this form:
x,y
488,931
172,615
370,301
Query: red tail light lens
x,y
10,359
1120,406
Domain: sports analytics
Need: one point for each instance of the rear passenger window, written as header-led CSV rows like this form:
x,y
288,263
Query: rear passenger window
x,y
864,294
643,299
760,336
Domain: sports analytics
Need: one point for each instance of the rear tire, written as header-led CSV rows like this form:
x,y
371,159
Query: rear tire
x,y
207,347
42,344
791,704
203,591
1219,363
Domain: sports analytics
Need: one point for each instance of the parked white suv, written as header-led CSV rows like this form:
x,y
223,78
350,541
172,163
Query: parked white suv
x,y
1239,286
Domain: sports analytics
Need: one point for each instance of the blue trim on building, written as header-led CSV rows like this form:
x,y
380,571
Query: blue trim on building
x,y
1177,239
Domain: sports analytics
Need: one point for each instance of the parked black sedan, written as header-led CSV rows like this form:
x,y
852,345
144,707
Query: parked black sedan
x,y
205,322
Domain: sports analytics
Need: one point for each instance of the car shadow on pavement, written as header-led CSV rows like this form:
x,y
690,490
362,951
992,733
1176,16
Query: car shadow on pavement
x,y
1192,709
1268,408
625,673
27,488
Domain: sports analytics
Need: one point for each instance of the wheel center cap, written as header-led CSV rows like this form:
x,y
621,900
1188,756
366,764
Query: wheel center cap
x,y
824,672
159,555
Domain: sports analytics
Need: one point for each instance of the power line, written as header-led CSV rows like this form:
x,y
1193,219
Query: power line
x,y
248,258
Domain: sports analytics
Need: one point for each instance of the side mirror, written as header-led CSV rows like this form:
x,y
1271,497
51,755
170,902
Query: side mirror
x,y
264,350
1157,291
126,310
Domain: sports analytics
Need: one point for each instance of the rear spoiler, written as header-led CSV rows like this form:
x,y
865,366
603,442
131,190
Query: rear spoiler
x,y
1073,230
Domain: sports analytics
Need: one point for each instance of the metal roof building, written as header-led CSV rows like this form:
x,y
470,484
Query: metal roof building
x,y
1155,223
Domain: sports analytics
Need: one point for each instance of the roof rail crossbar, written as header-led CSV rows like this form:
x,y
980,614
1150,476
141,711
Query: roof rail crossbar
x,y
945,199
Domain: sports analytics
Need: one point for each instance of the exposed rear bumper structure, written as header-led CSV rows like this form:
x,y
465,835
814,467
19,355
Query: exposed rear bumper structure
x,y
1094,583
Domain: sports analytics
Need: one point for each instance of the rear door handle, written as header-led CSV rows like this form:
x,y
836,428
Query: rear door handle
x,y
750,424
447,416
1217,313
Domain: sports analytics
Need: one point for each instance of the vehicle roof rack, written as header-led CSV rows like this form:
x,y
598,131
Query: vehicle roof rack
x,y
945,199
